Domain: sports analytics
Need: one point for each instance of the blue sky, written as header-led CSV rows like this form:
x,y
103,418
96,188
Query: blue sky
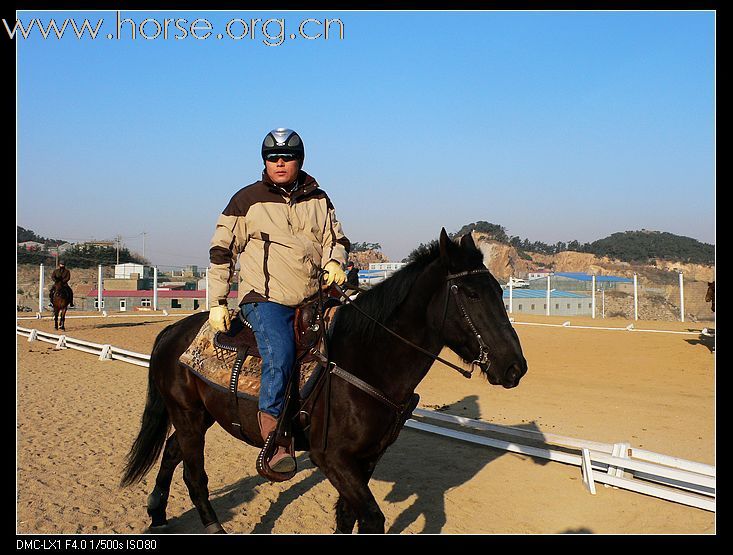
x,y
556,125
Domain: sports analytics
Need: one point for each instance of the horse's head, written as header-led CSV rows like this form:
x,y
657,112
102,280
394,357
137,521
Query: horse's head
x,y
469,310
710,295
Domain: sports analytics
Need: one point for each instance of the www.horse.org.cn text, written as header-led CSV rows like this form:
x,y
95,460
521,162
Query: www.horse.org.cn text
x,y
270,32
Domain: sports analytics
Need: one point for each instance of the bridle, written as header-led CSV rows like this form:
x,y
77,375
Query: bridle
x,y
402,410
483,357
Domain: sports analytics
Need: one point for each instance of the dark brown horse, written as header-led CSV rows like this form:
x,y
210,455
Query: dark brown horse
x,y
61,298
710,295
444,297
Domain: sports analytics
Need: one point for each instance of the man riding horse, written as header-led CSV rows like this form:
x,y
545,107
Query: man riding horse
x,y
61,277
283,229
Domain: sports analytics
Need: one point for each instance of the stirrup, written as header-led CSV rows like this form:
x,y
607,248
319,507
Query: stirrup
x,y
263,460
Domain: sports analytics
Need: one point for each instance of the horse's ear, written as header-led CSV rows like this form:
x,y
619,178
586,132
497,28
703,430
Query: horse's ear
x,y
444,242
467,241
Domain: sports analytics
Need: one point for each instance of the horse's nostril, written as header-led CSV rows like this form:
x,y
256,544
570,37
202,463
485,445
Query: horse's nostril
x,y
514,374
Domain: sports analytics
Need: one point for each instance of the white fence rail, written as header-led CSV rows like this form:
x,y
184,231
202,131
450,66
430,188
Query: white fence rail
x,y
105,352
617,465
620,465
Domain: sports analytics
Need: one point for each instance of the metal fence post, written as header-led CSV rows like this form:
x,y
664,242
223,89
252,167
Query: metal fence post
x,y
41,286
682,299
636,299
155,288
99,288
207,289
593,297
511,297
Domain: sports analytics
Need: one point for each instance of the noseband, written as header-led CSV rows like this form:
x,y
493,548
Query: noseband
x,y
483,357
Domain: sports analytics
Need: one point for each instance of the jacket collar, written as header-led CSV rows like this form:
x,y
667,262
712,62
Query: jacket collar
x,y
305,184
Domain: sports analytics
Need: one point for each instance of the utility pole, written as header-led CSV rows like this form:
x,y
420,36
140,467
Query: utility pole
x,y
144,234
117,240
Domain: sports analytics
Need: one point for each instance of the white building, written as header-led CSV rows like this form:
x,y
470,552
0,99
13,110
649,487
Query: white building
x,y
391,266
539,275
125,271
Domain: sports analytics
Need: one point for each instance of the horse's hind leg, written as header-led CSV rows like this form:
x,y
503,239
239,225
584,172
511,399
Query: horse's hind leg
x,y
158,498
191,426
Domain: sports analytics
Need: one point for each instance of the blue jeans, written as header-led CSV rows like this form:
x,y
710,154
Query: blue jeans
x,y
273,328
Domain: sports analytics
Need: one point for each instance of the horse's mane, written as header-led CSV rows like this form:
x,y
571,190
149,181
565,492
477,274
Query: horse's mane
x,y
381,301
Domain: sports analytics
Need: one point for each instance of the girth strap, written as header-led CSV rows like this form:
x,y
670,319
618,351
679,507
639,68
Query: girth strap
x,y
366,388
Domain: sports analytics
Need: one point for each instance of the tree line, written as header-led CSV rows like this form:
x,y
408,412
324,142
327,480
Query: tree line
x,y
628,246
77,256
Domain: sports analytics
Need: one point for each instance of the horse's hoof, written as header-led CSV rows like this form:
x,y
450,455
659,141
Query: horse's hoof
x,y
158,523
215,528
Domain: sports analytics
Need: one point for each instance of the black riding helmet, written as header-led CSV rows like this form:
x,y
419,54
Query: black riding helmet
x,y
283,141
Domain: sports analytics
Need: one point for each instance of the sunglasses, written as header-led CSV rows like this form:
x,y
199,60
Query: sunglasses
x,y
285,157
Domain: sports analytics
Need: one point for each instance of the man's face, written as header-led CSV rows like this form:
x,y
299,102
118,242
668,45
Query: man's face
x,y
282,172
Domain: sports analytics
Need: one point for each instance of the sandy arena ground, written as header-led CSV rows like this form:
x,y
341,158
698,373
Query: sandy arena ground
x,y
77,417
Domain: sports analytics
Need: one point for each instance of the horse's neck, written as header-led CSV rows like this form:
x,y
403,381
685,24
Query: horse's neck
x,y
400,367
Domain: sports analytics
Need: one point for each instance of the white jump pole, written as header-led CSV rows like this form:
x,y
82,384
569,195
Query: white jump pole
x,y
547,310
682,299
99,288
155,288
593,297
41,286
636,298
511,295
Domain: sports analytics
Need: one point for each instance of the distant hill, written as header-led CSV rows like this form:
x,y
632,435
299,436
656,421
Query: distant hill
x,y
642,246
629,246
29,235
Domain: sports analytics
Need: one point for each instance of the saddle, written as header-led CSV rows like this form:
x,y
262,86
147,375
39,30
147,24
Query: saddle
x,y
308,324
240,344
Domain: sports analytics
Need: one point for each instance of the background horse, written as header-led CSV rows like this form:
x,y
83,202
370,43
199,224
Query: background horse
x,y
445,297
710,295
61,298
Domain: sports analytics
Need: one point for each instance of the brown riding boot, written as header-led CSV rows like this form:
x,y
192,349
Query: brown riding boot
x,y
281,461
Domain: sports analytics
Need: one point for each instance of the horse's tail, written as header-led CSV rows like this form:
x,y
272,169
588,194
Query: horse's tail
x,y
154,428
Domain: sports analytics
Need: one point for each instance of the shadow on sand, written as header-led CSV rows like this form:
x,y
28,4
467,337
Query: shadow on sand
x,y
415,459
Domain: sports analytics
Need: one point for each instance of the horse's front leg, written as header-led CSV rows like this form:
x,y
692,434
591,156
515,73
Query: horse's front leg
x,y
345,516
356,502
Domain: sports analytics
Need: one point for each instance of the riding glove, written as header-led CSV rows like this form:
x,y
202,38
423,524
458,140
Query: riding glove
x,y
334,273
219,318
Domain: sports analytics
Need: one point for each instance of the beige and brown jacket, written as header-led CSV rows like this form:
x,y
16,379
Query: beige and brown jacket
x,y
282,241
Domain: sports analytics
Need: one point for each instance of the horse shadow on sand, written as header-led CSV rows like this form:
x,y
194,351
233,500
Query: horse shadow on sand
x,y
706,338
419,465
126,324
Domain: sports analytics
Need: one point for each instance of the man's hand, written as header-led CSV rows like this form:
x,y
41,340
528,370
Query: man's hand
x,y
219,318
334,273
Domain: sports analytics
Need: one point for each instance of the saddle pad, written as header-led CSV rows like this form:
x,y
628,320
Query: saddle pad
x,y
214,365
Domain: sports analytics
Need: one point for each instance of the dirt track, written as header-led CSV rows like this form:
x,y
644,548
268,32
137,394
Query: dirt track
x,y
77,416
